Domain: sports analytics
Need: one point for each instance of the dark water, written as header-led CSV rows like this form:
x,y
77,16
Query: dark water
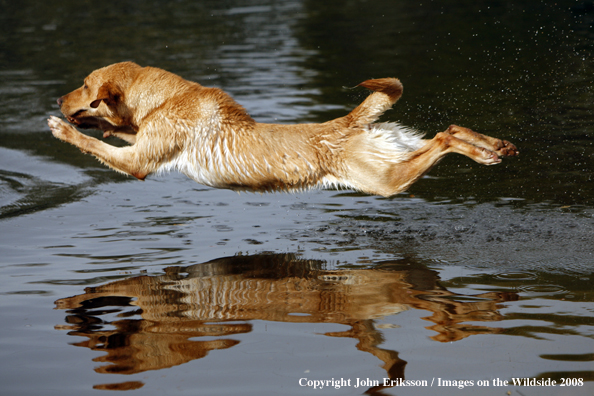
x,y
167,287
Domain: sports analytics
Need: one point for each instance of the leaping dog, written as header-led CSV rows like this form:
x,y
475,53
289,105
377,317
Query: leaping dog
x,y
175,124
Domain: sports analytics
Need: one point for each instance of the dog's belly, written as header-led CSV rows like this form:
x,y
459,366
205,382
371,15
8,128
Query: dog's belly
x,y
245,172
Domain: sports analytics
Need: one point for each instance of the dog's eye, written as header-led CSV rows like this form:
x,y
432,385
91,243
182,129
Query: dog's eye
x,y
85,86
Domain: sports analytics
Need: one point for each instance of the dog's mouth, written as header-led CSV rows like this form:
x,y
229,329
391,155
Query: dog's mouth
x,y
80,120
74,118
85,122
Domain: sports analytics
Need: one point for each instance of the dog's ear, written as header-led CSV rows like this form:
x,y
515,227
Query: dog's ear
x,y
107,93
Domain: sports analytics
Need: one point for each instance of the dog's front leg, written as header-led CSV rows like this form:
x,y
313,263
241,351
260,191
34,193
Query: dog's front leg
x,y
122,159
128,137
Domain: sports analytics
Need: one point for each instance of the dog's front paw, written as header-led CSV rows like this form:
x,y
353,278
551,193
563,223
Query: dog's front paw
x,y
61,129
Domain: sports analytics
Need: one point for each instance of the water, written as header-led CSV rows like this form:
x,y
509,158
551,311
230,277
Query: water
x,y
476,274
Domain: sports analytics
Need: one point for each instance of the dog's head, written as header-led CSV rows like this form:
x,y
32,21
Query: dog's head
x,y
102,96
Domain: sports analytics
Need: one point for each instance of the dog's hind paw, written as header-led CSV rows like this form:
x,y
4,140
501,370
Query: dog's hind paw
x,y
508,150
487,157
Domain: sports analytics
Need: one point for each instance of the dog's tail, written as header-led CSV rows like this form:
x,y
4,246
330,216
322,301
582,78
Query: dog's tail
x,y
387,92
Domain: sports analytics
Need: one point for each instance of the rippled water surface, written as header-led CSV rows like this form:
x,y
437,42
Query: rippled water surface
x,y
475,276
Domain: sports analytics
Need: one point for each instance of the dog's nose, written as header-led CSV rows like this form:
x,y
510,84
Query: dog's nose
x,y
60,101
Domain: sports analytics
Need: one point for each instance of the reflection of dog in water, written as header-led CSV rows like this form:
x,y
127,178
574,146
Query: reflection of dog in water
x,y
175,124
202,299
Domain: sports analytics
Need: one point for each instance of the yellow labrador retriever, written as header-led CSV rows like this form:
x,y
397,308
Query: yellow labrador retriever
x,y
175,124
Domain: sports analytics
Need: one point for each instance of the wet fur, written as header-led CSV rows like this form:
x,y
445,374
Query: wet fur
x,y
175,124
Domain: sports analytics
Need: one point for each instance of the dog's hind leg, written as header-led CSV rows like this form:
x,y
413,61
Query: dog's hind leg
x,y
503,148
122,159
391,178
